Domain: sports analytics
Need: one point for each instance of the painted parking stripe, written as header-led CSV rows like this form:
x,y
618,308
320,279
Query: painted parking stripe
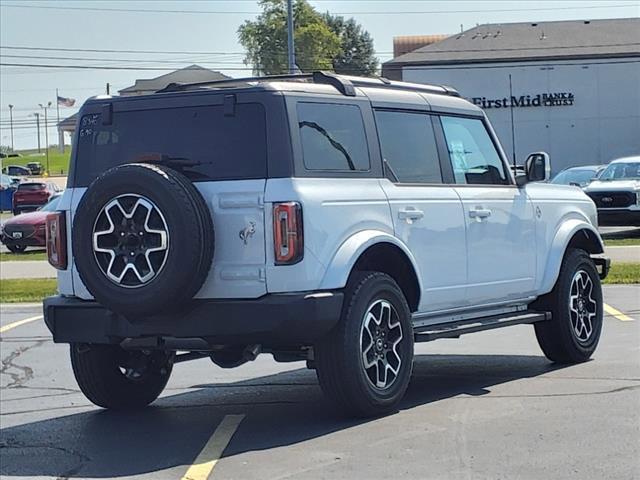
x,y
617,313
208,457
10,326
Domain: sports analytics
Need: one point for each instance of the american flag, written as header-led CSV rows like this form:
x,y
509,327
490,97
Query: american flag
x,y
66,102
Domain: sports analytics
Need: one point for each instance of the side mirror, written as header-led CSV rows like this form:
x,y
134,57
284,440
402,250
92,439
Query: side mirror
x,y
537,168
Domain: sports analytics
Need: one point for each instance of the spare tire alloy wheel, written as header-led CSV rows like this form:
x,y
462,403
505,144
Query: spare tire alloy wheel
x,y
583,308
379,339
130,240
142,240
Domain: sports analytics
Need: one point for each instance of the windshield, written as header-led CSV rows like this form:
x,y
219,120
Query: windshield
x,y
580,176
51,206
621,171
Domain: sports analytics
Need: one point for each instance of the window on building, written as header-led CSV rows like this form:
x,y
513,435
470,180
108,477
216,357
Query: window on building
x,y
474,157
333,137
409,146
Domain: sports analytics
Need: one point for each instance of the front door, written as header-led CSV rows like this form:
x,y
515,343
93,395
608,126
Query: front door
x,y
499,217
427,215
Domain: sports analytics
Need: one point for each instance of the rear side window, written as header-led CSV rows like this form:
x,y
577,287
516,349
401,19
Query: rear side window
x,y
332,137
474,157
408,146
227,147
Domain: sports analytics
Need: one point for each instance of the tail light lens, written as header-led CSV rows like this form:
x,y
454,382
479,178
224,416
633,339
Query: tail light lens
x,y
288,233
57,240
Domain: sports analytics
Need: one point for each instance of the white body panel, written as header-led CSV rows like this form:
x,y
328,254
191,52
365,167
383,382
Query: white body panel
x,y
334,209
501,245
430,221
461,263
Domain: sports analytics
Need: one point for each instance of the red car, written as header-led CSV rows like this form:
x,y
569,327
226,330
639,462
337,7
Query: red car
x,y
27,230
32,195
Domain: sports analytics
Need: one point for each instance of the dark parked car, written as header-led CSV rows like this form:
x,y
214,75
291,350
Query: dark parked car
x,y
16,170
32,195
35,168
578,176
27,230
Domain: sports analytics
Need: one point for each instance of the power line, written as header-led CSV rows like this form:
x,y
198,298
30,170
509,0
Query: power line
x,y
379,12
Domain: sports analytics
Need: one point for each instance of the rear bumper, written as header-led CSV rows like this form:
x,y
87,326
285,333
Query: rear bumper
x,y
618,217
274,320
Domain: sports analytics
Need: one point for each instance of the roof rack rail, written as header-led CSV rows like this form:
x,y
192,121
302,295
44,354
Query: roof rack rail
x,y
343,83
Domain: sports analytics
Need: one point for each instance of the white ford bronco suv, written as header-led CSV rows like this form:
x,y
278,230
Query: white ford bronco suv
x,y
314,217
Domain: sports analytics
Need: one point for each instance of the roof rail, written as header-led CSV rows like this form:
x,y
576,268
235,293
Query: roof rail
x,y
343,83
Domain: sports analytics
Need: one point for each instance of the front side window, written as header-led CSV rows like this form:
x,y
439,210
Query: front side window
x,y
332,137
408,146
474,157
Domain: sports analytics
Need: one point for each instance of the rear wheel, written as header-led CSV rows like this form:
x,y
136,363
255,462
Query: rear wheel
x,y
576,306
16,248
365,363
111,377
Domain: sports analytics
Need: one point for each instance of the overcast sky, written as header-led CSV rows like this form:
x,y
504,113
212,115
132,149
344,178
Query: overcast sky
x,y
167,26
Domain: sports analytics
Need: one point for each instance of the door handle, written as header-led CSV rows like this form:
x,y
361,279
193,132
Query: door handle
x,y
479,213
410,214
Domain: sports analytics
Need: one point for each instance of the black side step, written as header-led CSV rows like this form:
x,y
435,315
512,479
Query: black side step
x,y
455,329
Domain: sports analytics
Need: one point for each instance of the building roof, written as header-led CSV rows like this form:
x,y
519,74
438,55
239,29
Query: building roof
x,y
190,74
408,43
509,42
68,124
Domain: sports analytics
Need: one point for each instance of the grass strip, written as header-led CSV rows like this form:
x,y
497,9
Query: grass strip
x,y
623,273
28,255
26,289
622,242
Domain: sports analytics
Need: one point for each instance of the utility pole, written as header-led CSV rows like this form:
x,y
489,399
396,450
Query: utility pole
x,y
291,54
11,124
37,115
108,89
46,132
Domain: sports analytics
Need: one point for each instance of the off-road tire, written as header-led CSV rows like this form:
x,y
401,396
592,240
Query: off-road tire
x,y
557,337
97,369
338,357
190,246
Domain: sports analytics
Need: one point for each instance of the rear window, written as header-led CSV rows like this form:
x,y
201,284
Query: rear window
x,y
227,147
27,187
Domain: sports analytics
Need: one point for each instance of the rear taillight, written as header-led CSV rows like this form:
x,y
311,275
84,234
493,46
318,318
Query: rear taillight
x,y
288,236
57,240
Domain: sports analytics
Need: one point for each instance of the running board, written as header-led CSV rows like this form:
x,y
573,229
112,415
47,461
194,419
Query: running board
x,y
455,329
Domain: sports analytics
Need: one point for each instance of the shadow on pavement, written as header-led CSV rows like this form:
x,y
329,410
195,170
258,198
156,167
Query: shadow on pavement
x,y
282,409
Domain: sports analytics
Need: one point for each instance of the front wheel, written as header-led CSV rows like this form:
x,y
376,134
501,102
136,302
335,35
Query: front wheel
x,y
576,306
111,377
365,363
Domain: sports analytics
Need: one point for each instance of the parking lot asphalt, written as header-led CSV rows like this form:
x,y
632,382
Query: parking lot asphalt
x,y
488,405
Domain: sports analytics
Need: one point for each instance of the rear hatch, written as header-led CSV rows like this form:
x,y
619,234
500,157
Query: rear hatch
x,y
228,146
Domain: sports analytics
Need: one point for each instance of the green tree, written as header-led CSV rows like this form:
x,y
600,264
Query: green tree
x,y
265,39
356,56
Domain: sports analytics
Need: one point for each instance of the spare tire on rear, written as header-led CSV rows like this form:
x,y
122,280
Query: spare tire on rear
x,y
142,239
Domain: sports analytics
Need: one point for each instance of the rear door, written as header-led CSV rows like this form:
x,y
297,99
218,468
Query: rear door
x,y
229,144
427,214
499,217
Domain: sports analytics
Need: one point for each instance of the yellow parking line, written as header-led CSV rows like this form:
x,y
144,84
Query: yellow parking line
x,y
9,326
617,313
208,457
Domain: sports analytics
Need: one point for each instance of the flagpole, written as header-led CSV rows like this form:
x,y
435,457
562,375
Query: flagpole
x,y
60,136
